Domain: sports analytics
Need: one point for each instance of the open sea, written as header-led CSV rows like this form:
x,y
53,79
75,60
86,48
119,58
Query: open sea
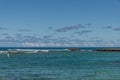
x,y
59,64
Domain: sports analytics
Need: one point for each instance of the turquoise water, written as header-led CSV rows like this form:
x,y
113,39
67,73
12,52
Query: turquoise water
x,y
61,65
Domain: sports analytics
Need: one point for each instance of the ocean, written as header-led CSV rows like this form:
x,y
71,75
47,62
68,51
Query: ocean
x,y
59,64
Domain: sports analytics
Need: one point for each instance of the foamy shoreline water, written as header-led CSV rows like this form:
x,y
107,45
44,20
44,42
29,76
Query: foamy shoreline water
x,y
22,51
13,51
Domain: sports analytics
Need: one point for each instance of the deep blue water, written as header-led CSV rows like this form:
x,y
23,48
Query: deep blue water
x,y
61,65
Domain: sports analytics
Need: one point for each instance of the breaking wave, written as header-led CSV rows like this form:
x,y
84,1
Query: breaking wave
x,y
31,50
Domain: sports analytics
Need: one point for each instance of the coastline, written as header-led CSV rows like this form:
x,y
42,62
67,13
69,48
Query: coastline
x,y
20,50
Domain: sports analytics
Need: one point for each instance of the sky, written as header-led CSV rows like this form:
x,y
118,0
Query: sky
x,y
59,23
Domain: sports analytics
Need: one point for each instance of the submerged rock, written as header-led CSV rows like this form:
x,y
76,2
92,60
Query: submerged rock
x,y
108,50
73,49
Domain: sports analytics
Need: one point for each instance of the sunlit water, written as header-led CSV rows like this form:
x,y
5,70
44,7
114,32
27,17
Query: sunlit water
x,y
61,66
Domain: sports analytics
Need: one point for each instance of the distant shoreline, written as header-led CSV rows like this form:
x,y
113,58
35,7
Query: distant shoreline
x,y
15,50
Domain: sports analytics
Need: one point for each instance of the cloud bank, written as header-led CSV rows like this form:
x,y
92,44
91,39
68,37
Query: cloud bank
x,y
69,28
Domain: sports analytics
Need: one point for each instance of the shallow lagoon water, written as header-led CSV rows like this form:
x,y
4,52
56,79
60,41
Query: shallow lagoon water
x,y
61,65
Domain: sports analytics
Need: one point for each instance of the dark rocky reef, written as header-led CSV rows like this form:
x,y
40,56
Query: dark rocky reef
x,y
73,49
108,50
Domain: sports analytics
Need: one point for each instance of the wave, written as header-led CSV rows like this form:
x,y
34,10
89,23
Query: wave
x,y
31,50
45,50
23,51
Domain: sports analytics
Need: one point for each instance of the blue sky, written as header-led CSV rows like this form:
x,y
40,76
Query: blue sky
x,y
55,23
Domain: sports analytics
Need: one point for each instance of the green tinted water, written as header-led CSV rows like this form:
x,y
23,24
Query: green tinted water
x,y
61,66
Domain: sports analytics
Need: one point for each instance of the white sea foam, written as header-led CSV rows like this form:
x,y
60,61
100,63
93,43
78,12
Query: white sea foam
x,y
23,51
31,50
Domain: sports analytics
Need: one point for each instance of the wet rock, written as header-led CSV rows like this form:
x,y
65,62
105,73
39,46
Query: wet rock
x,y
73,49
108,50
